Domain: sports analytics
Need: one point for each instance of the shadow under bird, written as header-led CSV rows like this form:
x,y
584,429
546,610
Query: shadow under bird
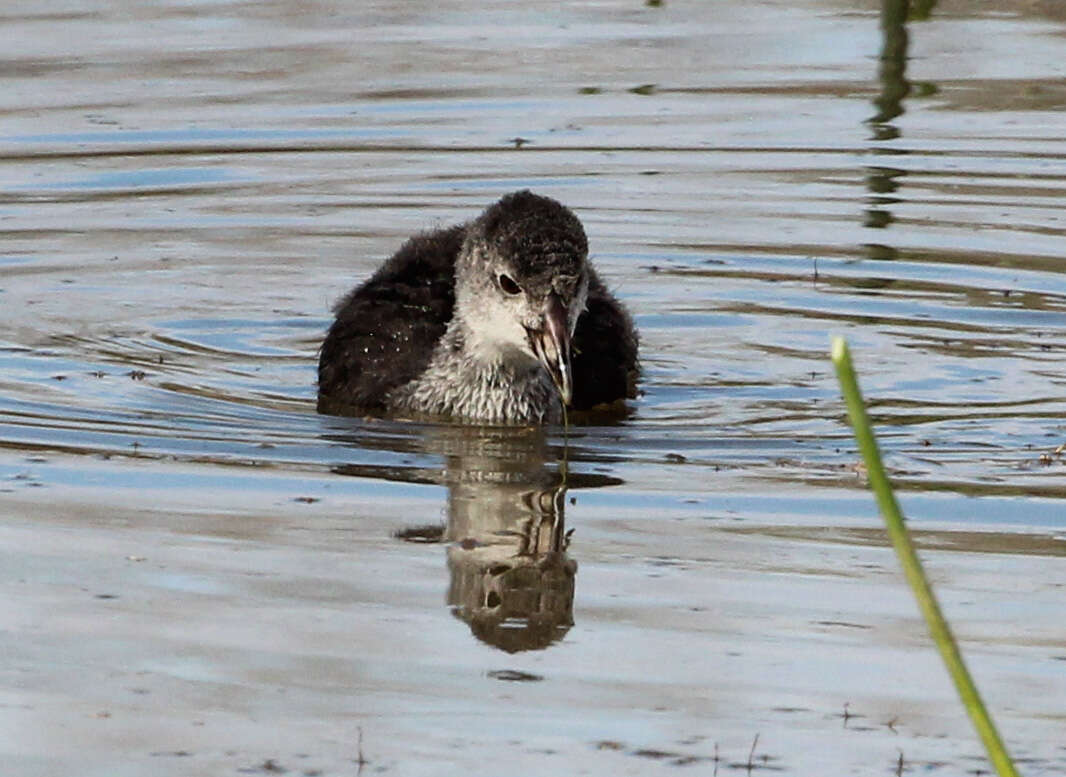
x,y
501,320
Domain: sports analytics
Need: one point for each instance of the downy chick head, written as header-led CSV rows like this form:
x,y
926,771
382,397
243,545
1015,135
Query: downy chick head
x,y
521,283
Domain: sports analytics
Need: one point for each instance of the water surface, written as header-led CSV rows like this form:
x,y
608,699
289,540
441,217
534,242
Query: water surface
x,y
204,576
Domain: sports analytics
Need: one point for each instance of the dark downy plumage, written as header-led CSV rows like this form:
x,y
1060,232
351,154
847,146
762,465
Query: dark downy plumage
x,y
491,321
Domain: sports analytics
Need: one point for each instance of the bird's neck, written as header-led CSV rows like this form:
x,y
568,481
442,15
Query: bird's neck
x,y
481,351
480,379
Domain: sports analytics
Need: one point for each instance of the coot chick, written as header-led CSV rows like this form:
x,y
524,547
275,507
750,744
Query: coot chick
x,y
495,321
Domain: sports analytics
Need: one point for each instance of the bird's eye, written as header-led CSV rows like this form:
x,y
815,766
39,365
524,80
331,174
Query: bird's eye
x,y
507,283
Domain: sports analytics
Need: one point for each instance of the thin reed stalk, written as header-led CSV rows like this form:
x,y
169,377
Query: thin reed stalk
x,y
912,565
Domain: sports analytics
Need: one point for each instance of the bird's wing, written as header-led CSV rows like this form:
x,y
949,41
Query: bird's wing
x,y
604,358
387,328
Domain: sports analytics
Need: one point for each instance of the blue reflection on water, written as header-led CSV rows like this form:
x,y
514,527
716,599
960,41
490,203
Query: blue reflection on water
x,y
145,178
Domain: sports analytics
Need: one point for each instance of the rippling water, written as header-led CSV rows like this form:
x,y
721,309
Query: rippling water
x,y
207,576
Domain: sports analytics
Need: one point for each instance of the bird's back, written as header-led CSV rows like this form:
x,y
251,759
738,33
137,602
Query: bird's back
x,y
386,329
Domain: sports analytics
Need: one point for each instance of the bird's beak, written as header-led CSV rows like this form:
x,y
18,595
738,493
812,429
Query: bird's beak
x,y
551,344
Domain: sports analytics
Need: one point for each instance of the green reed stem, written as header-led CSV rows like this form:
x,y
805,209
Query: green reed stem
x,y
912,566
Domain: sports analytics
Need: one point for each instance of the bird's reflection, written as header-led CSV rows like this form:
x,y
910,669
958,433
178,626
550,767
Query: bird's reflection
x,y
511,578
